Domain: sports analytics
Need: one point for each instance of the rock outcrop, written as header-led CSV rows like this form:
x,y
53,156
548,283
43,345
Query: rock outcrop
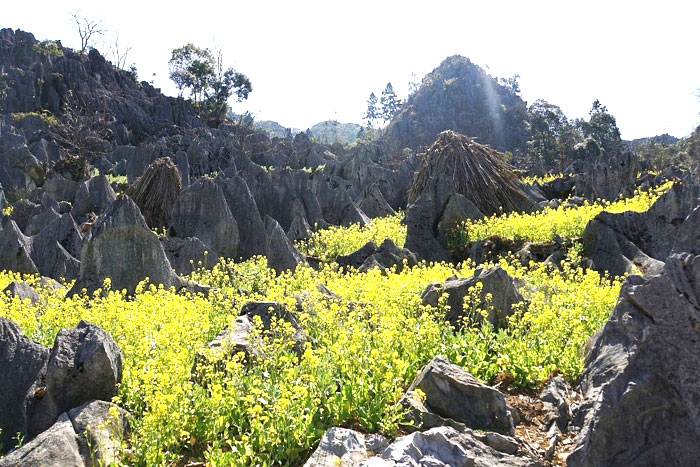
x,y
494,282
39,384
640,376
124,250
201,211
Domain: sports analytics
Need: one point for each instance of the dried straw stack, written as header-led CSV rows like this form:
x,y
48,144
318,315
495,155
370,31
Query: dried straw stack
x,y
155,192
477,172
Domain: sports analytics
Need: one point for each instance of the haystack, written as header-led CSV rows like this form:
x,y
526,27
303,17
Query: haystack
x,y
155,192
476,171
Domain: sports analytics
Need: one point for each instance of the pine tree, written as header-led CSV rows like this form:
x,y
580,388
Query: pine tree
x,y
372,110
390,104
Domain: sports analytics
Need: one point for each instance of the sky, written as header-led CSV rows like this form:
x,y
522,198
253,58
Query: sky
x,y
311,61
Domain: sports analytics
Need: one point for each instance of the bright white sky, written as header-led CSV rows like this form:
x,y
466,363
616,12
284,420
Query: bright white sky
x,y
316,60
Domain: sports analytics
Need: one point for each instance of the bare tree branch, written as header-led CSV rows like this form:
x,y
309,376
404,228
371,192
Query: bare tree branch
x,y
87,29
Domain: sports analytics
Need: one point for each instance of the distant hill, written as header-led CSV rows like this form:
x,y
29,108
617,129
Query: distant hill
x,y
273,128
459,95
328,132
664,140
332,131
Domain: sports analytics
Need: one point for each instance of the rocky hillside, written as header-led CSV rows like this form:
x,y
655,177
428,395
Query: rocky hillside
x,y
459,95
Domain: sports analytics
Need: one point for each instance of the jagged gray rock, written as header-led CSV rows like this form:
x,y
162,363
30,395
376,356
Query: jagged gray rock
x,y
444,447
23,291
281,254
494,281
389,255
84,364
125,250
184,254
16,249
23,364
631,241
245,211
57,247
345,447
640,378
58,445
372,202
94,195
99,432
457,210
201,211
451,392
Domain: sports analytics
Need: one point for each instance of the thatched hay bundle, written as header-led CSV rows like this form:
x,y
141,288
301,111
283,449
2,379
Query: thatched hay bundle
x,y
476,171
155,192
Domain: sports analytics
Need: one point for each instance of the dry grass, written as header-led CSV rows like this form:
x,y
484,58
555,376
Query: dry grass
x,y
477,172
155,192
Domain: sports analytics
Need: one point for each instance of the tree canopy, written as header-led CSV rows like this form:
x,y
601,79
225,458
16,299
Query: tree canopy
x,y
210,86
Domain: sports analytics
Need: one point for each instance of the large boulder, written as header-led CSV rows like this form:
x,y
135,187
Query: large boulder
x,y
641,379
451,392
56,446
24,366
609,180
201,211
125,250
345,447
281,254
86,436
372,202
445,447
84,364
495,282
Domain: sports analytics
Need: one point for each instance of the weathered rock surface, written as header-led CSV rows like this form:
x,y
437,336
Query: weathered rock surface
x,y
56,446
245,211
22,291
345,447
125,250
239,339
495,281
632,242
184,254
84,364
372,202
23,364
16,249
610,180
640,378
94,195
201,211
451,392
85,436
444,446
281,254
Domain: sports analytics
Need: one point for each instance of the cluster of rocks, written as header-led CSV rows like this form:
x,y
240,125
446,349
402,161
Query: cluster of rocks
x,y
452,420
58,400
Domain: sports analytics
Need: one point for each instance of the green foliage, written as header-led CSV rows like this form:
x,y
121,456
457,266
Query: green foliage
x,y
372,113
198,71
48,48
390,104
552,135
46,116
602,127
